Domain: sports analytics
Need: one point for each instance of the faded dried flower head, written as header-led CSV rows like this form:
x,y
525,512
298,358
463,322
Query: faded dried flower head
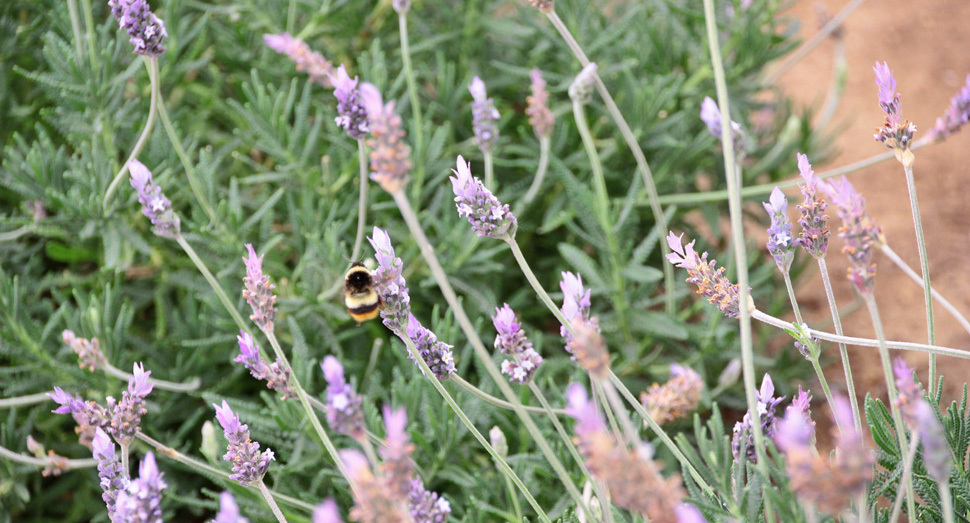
x,y
859,232
88,351
307,60
710,282
389,157
581,90
56,464
676,398
540,117
545,6
589,349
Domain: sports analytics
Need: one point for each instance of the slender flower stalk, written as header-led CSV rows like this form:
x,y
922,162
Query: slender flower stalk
x,y
416,115
949,307
313,63
51,463
151,63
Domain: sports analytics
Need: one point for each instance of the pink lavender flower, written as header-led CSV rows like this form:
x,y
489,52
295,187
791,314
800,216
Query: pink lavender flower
x,y
126,414
113,477
88,415
427,506
373,502
511,341
814,236
436,354
229,510
743,437
141,501
487,216
687,513
56,464
390,156
544,6
350,108
249,465
796,430
344,412
710,282
327,512
895,133
711,116
859,232
540,117
589,349
675,398
88,351
258,292
397,467
389,283
581,90
956,116
315,65
575,303
276,376
401,6
484,117
920,417
781,245
155,206
145,30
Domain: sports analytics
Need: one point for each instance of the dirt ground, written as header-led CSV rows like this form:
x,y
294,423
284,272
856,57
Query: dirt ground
x,y
925,44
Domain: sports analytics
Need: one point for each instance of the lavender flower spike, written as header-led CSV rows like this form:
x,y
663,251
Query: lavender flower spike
x,y
743,437
315,65
126,414
920,416
436,354
511,341
575,303
229,510
484,117
427,506
397,467
344,412
895,133
710,283
141,501
711,116
88,351
350,108
859,232
956,116
249,465
258,292
327,512
589,349
581,90
112,474
390,156
88,415
676,398
390,284
276,376
814,236
145,30
487,215
373,502
154,204
540,117
781,245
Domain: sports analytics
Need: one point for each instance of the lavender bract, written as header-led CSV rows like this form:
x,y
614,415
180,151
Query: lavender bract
x,y
484,117
126,414
312,62
145,30
350,108
258,292
249,465
155,206
141,501
576,304
781,245
487,216
326,512
276,376
895,133
390,157
344,412
814,236
397,467
511,340
88,415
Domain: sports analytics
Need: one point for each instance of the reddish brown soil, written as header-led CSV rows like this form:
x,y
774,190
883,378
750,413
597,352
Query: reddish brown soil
x,y
925,44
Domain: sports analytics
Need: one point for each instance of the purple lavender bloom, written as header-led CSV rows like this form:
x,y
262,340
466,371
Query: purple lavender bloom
x,y
112,473
88,415
743,438
796,430
389,283
397,466
687,513
88,351
711,283
436,354
589,421
141,502
575,303
229,510
276,376
249,465
350,108
315,65
956,116
401,6
145,30
511,341
781,245
258,292
487,215
711,116
540,117
484,117
326,512
126,414
814,236
581,90
390,157
68,403
427,506
907,390
895,133
859,232
937,455
344,412
154,205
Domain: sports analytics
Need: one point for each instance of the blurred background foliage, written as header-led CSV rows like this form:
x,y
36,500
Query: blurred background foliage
x,y
282,176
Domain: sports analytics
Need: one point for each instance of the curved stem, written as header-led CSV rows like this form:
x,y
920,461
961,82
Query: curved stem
x,y
187,386
843,351
837,88
417,128
213,283
924,265
540,171
22,401
152,65
814,356
362,203
481,394
791,297
891,254
543,295
825,385
270,501
194,183
489,172
568,441
63,463
634,145
740,252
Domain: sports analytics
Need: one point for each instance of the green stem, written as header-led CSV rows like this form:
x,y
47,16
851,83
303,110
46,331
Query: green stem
x,y
194,183
891,254
843,351
291,16
925,266
125,448
362,204
516,506
603,215
740,253
76,29
541,292
213,283
791,297
824,383
907,475
23,401
417,129
187,386
201,466
151,63
634,146
887,369
65,464
812,357
540,172
427,251
946,501
629,432
89,34
481,394
489,173
268,496
502,464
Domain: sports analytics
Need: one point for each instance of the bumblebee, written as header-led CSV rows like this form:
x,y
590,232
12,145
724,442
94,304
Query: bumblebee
x,y
361,299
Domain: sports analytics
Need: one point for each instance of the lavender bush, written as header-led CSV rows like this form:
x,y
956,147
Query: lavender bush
x,y
184,184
